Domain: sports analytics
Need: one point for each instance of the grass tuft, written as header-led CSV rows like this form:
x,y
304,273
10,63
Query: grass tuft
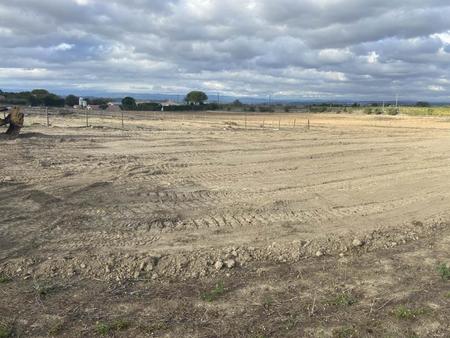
x,y
343,299
4,278
345,332
444,271
6,330
56,328
104,329
43,290
403,312
154,327
215,293
267,302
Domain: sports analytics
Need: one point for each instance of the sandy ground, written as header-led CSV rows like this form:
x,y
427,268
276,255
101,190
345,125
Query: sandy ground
x,y
355,206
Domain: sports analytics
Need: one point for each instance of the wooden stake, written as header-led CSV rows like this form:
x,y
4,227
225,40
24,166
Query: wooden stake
x,y
87,118
309,125
294,123
245,121
48,119
279,124
122,119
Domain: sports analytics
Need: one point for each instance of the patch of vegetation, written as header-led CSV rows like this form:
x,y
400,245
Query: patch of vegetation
x,y
267,302
292,322
444,271
56,328
435,111
215,293
447,295
4,278
345,332
393,111
343,299
230,123
403,312
43,290
154,327
104,329
6,330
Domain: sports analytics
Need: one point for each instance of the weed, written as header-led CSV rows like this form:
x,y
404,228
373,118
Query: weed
x,y
44,290
292,322
120,325
343,299
104,329
4,278
444,271
267,302
403,312
215,293
393,111
345,332
56,329
6,330
447,295
154,327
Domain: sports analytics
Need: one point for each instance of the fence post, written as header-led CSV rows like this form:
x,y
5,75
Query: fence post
x,y
294,123
309,125
46,113
279,124
245,121
122,118
87,118
263,124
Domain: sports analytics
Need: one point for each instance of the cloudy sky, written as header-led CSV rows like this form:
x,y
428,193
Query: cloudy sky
x,y
352,49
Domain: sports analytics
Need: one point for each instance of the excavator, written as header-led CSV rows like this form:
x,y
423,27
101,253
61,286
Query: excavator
x,y
15,120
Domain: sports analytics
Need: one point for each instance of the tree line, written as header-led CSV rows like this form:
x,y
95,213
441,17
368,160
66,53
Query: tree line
x,y
42,97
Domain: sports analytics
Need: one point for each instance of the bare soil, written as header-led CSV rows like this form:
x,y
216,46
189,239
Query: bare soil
x,y
215,224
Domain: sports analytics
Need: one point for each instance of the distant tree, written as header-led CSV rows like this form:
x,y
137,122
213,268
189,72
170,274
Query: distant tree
x,y
149,106
52,100
422,104
71,100
196,97
129,103
40,92
237,103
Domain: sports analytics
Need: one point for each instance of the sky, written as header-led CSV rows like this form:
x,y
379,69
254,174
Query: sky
x,y
305,49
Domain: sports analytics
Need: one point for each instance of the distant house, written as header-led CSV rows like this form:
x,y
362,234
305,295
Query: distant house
x,y
114,107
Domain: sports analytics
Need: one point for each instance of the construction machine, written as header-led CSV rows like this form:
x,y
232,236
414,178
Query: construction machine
x,y
15,121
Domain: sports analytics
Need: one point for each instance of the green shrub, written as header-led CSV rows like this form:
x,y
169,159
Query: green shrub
x,y
444,271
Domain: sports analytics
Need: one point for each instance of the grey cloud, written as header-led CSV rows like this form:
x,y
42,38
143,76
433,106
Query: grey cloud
x,y
317,48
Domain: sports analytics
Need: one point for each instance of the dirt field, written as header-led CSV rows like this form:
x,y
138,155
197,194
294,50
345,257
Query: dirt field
x,y
223,225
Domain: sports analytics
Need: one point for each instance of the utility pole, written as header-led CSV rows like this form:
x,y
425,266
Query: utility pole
x,y
396,103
